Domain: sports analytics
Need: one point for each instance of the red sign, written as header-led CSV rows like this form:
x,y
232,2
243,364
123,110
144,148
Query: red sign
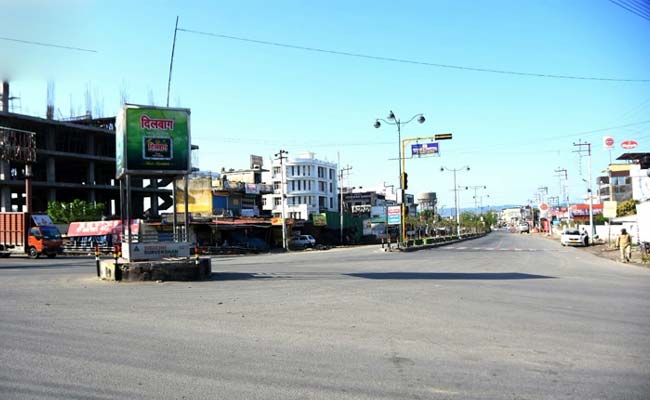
x,y
608,142
629,144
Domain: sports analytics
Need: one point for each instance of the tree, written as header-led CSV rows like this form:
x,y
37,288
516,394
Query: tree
x,y
77,210
627,207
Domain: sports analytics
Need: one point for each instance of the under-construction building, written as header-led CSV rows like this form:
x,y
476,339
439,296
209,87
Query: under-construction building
x,y
74,160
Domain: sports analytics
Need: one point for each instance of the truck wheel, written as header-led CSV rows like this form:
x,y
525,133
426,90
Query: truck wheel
x,y
33,253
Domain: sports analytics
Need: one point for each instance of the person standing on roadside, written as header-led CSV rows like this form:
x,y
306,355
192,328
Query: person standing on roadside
x,y
624,243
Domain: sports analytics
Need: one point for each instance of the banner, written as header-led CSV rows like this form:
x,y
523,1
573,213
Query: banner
x,y
152,141
252,188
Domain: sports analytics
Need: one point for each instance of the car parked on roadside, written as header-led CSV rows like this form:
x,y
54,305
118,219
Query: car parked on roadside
x,y
302,242
574,237
523,228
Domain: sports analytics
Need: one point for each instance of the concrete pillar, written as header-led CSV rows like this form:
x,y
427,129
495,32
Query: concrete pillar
x,y
5,190
154,198
51,170
90,173
51,195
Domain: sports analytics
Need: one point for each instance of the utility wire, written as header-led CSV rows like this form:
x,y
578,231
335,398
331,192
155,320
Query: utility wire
x,y
58,46
640,7
630,9
546,139
414,62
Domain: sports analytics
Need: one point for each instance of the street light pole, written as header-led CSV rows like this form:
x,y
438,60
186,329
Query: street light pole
x,y
343,170
476,189
393,120
454,170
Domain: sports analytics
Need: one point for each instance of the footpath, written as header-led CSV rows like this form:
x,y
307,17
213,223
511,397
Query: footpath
x,y
609,251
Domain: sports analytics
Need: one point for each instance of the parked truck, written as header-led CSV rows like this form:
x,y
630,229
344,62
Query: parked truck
x,y
31,234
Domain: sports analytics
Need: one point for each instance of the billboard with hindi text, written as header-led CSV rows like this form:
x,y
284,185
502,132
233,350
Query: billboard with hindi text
x,y
152,141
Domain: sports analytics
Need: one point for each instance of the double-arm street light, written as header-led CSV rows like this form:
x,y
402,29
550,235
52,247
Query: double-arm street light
x,y
454,170
394,120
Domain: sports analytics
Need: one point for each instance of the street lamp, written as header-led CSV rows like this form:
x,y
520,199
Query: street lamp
x,y
454,170
394,120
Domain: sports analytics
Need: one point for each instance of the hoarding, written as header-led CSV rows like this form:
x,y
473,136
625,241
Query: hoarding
x,y
319,219
609,209
152,141
424,149
394,215
256,161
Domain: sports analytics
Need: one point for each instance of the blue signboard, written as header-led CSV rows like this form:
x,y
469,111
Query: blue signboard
x,y
425,149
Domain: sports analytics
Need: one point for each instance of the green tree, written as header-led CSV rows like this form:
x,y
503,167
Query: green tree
x,y
77,210
627,207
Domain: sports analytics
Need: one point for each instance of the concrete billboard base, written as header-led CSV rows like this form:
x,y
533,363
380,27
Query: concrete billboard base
x,y
161,270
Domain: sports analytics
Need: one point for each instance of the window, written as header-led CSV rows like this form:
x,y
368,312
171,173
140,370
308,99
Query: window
x,y
277,170
276,201
330,187
331,173
331,202
276,185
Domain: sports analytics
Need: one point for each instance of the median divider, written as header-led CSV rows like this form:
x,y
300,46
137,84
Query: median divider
x,y
430,243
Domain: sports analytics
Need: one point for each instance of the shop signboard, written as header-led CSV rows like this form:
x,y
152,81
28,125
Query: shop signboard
x,y
152,141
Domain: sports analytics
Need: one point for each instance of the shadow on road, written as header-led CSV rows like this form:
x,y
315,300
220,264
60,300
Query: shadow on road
x,y
242,276
236,276
449,275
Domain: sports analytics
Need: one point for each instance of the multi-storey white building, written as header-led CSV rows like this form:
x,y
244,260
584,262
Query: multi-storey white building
x,y
311,187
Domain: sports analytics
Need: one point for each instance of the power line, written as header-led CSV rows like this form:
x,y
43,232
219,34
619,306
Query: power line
x,y
628,8
639,6
546,139
414,62
58,46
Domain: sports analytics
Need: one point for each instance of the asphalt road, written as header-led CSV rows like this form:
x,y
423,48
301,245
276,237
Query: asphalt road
x,y
506,316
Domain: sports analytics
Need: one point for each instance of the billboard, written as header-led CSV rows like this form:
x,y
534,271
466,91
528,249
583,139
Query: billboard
x,y
256,161
319,219
152,141
394,215
425,149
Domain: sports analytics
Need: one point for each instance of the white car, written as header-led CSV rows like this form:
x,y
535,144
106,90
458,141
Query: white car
x,y
574,237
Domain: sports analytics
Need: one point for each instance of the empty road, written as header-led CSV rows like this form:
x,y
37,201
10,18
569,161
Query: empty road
x,y
506,316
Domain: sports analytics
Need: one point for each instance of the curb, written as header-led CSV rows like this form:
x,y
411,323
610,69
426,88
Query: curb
x,y
434,245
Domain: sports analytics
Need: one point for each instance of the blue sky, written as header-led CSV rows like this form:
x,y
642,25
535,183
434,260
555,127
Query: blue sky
x,y
513,131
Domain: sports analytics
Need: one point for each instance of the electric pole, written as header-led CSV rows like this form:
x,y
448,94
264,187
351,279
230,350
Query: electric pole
x,y
581,149
562,172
